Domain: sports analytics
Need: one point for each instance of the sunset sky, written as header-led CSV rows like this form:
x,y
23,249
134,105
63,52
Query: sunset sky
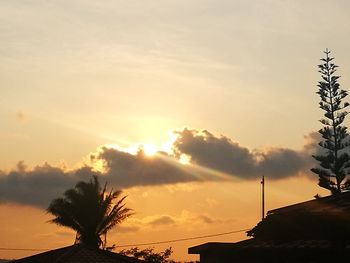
x,y
216,93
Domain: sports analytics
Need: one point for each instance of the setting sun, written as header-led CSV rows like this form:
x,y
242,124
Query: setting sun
x,y
149,149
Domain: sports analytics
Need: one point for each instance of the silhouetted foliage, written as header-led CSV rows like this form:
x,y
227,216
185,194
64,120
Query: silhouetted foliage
x,y
90,211
334,161
149,255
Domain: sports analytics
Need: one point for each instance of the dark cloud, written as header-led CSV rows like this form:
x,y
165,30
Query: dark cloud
x,y
218,153
126,170
280,163
38,186
223,154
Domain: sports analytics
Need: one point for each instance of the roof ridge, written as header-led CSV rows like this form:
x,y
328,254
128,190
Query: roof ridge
x,y
317,200
73,249
77,247
118,255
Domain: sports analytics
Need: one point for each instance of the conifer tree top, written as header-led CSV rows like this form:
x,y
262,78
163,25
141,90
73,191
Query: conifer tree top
x,y
334,161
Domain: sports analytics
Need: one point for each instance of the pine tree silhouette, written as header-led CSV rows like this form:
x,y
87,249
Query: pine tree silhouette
x,y
334,161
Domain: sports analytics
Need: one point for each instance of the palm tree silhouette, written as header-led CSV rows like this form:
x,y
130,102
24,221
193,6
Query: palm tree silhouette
x,y
90,211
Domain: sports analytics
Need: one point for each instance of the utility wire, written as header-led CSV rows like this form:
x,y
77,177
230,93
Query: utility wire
x,y
25,249
183,239
140,244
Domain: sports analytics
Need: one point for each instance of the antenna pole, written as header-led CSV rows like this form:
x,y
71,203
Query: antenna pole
x,y
263,197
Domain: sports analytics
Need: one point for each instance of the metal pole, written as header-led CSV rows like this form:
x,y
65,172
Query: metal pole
x,y
263,197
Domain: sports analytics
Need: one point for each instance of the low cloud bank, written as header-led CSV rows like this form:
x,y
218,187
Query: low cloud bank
x,y
127,170
222,154
39,185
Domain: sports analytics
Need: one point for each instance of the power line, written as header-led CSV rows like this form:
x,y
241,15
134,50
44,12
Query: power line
x,y
25,249
184,239
140,244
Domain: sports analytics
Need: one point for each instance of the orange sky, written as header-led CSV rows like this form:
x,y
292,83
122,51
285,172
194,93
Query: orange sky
x,y
234,79
196,209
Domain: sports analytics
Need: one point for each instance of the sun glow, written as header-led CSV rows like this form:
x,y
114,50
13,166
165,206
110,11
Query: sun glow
x,y
146,148
149,149
185,159
168,146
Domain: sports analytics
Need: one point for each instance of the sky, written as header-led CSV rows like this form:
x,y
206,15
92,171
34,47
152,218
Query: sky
x,y
182,104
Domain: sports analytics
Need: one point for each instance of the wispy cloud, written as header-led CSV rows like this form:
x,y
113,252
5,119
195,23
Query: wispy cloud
x,y
184,219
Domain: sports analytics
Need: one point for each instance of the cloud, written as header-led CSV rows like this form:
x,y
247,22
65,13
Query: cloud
x,y
185,218
39,185
206,219
311,145
127,170
162,220
222,154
